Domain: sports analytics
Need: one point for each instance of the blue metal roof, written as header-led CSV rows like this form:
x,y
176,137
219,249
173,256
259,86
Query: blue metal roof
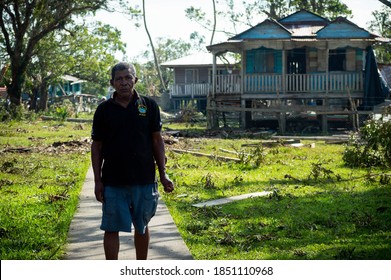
x,y
304,24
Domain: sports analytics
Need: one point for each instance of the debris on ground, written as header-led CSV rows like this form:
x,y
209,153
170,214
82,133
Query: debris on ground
x,y
231,199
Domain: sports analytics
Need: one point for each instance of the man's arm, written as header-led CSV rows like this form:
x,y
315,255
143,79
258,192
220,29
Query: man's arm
x,y
160,158
97,160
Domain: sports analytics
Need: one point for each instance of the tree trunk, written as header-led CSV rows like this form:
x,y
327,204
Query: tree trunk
x,y
214,22
15,88
153,51
43,100
33,101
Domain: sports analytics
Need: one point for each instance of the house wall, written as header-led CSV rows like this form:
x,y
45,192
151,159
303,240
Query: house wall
x,y
263,60
180,75
267,60
204,74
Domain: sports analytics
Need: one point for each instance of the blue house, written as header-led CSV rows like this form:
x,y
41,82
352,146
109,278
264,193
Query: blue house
x,y
69,85
302,70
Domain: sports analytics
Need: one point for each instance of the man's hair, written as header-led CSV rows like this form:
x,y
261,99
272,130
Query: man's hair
x,y
123,66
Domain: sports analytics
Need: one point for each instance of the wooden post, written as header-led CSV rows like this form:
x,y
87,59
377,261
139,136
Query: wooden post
x,y
326,100
242,101
353,107
283,82
212,118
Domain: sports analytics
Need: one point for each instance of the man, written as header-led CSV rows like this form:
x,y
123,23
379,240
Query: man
x,y
127,142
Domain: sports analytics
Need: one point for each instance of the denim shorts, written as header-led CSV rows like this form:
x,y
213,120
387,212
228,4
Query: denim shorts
x,y
127,205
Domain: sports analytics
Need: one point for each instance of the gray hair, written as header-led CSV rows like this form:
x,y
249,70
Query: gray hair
x,y
123,66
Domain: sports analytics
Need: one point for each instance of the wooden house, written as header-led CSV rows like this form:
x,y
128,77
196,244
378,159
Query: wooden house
x,y
70,88
193,78
69,85
302,70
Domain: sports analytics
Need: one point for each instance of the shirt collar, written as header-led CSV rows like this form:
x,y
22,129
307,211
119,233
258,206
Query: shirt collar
x,y
135,97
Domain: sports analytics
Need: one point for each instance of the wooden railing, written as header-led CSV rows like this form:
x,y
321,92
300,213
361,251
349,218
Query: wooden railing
x,y
275,83
190,90
337,82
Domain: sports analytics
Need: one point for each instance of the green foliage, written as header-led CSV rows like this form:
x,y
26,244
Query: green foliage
x,y
9,112
237,15
371,146
165,49
188,115
381,24
326,8
63,110
39,19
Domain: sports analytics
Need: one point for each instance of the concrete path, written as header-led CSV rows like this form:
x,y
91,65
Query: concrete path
x,y
85,239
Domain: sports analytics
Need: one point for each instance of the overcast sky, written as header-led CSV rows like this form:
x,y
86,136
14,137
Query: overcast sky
x,y
167,19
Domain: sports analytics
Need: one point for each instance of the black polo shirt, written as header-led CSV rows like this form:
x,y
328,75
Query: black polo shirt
x,y
126,134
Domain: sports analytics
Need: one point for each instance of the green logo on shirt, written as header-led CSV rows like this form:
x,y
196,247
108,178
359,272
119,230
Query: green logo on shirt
x,y
142,109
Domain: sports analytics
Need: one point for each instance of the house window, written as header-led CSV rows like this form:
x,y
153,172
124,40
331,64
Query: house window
x,y
260,61
337,60
191,76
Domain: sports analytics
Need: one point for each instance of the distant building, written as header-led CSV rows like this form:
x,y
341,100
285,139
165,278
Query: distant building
x,y
193,78
69,85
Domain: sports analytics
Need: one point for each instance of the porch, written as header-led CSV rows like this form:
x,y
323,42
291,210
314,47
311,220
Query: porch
x,y
189,90
290,83
317,83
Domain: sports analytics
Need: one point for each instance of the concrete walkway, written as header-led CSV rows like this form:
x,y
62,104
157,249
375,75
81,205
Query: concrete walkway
x,y
85,239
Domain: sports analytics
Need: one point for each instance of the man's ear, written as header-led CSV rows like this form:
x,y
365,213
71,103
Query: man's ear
x,y
135,79
111,82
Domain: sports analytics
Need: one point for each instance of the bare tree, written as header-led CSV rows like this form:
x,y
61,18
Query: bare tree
x,y
153,50
214,22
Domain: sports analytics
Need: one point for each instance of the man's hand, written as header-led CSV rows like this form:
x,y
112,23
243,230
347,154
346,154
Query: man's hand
x,y
99,188
168,185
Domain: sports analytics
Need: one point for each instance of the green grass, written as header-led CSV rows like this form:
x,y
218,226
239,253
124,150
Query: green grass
x,y
39,187
319,209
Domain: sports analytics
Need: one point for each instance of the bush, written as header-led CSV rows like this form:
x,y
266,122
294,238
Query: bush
x,y
63,110
11,112
370,146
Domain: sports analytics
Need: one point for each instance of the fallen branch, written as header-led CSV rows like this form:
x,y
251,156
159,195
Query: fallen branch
x,y
205,155
232,152
16,150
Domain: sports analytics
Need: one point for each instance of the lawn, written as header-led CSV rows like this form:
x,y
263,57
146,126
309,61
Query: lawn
x,y
318,208
42,169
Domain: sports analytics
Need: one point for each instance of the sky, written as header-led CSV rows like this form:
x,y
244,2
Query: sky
x,y
166,18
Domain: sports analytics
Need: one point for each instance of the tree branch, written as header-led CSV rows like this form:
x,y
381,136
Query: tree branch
x,y
386,2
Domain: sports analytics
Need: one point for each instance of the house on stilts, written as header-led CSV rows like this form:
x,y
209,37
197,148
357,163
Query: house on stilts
x,y
297,72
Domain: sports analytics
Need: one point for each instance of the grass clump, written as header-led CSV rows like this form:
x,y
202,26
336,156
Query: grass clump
x,y
42,169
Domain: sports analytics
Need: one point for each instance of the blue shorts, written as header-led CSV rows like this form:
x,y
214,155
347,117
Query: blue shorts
x,y
124,205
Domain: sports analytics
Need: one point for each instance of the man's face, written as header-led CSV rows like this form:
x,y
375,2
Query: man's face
x,y
124,82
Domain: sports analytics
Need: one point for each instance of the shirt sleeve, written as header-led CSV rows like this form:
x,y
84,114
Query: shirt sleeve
x,y
97,124
156,122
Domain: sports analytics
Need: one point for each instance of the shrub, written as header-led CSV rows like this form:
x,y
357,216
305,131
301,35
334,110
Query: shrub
x,y
370,146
